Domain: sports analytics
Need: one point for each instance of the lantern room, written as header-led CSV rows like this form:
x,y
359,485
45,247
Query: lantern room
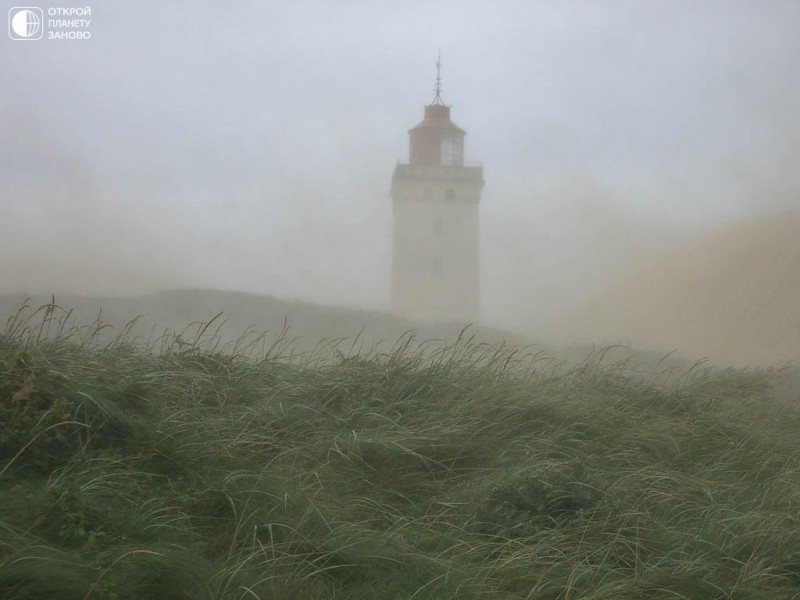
x,y
436,141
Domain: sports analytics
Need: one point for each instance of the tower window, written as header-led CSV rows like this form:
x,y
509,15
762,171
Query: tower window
x,y
428,193
452,149
449,194
438,226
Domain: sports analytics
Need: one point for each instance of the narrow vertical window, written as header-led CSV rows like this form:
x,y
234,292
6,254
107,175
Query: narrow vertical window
x,y
448,149
438,226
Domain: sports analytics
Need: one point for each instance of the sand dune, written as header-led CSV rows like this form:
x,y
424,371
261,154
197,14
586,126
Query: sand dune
x,y
732,295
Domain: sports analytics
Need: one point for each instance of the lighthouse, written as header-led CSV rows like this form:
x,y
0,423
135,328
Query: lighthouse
x,y
435,197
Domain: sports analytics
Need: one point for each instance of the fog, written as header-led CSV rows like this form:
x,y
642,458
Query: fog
x,y
250,147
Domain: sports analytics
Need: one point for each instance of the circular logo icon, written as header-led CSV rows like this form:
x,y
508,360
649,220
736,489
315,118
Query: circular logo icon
x,y
26,24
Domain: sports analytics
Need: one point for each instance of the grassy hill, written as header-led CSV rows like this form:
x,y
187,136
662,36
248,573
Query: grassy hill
x,y
462,471
304,327
304,323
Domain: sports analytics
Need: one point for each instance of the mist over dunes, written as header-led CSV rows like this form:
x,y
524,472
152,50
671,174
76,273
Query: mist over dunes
x,y
631,153
304,325
732,294
215,214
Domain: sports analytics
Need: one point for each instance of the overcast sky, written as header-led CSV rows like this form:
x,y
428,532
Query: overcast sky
x,y
250,145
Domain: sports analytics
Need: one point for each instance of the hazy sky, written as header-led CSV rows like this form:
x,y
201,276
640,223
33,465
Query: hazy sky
x,y
250,145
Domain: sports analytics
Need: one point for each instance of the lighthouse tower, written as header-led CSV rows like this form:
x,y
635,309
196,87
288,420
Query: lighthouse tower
x,y
435,196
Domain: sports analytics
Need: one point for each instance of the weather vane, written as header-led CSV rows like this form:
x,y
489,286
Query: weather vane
x,y
438,90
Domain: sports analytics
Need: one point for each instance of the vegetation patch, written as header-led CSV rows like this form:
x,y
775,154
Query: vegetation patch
x,y
186,470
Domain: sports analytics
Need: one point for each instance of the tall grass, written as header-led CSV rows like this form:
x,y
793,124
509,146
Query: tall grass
x,y
180,467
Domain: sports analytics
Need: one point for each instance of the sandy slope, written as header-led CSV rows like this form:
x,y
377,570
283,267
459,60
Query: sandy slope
x,y
733,295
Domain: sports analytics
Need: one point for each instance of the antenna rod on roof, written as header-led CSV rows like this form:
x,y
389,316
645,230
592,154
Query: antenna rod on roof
x,y
438,89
